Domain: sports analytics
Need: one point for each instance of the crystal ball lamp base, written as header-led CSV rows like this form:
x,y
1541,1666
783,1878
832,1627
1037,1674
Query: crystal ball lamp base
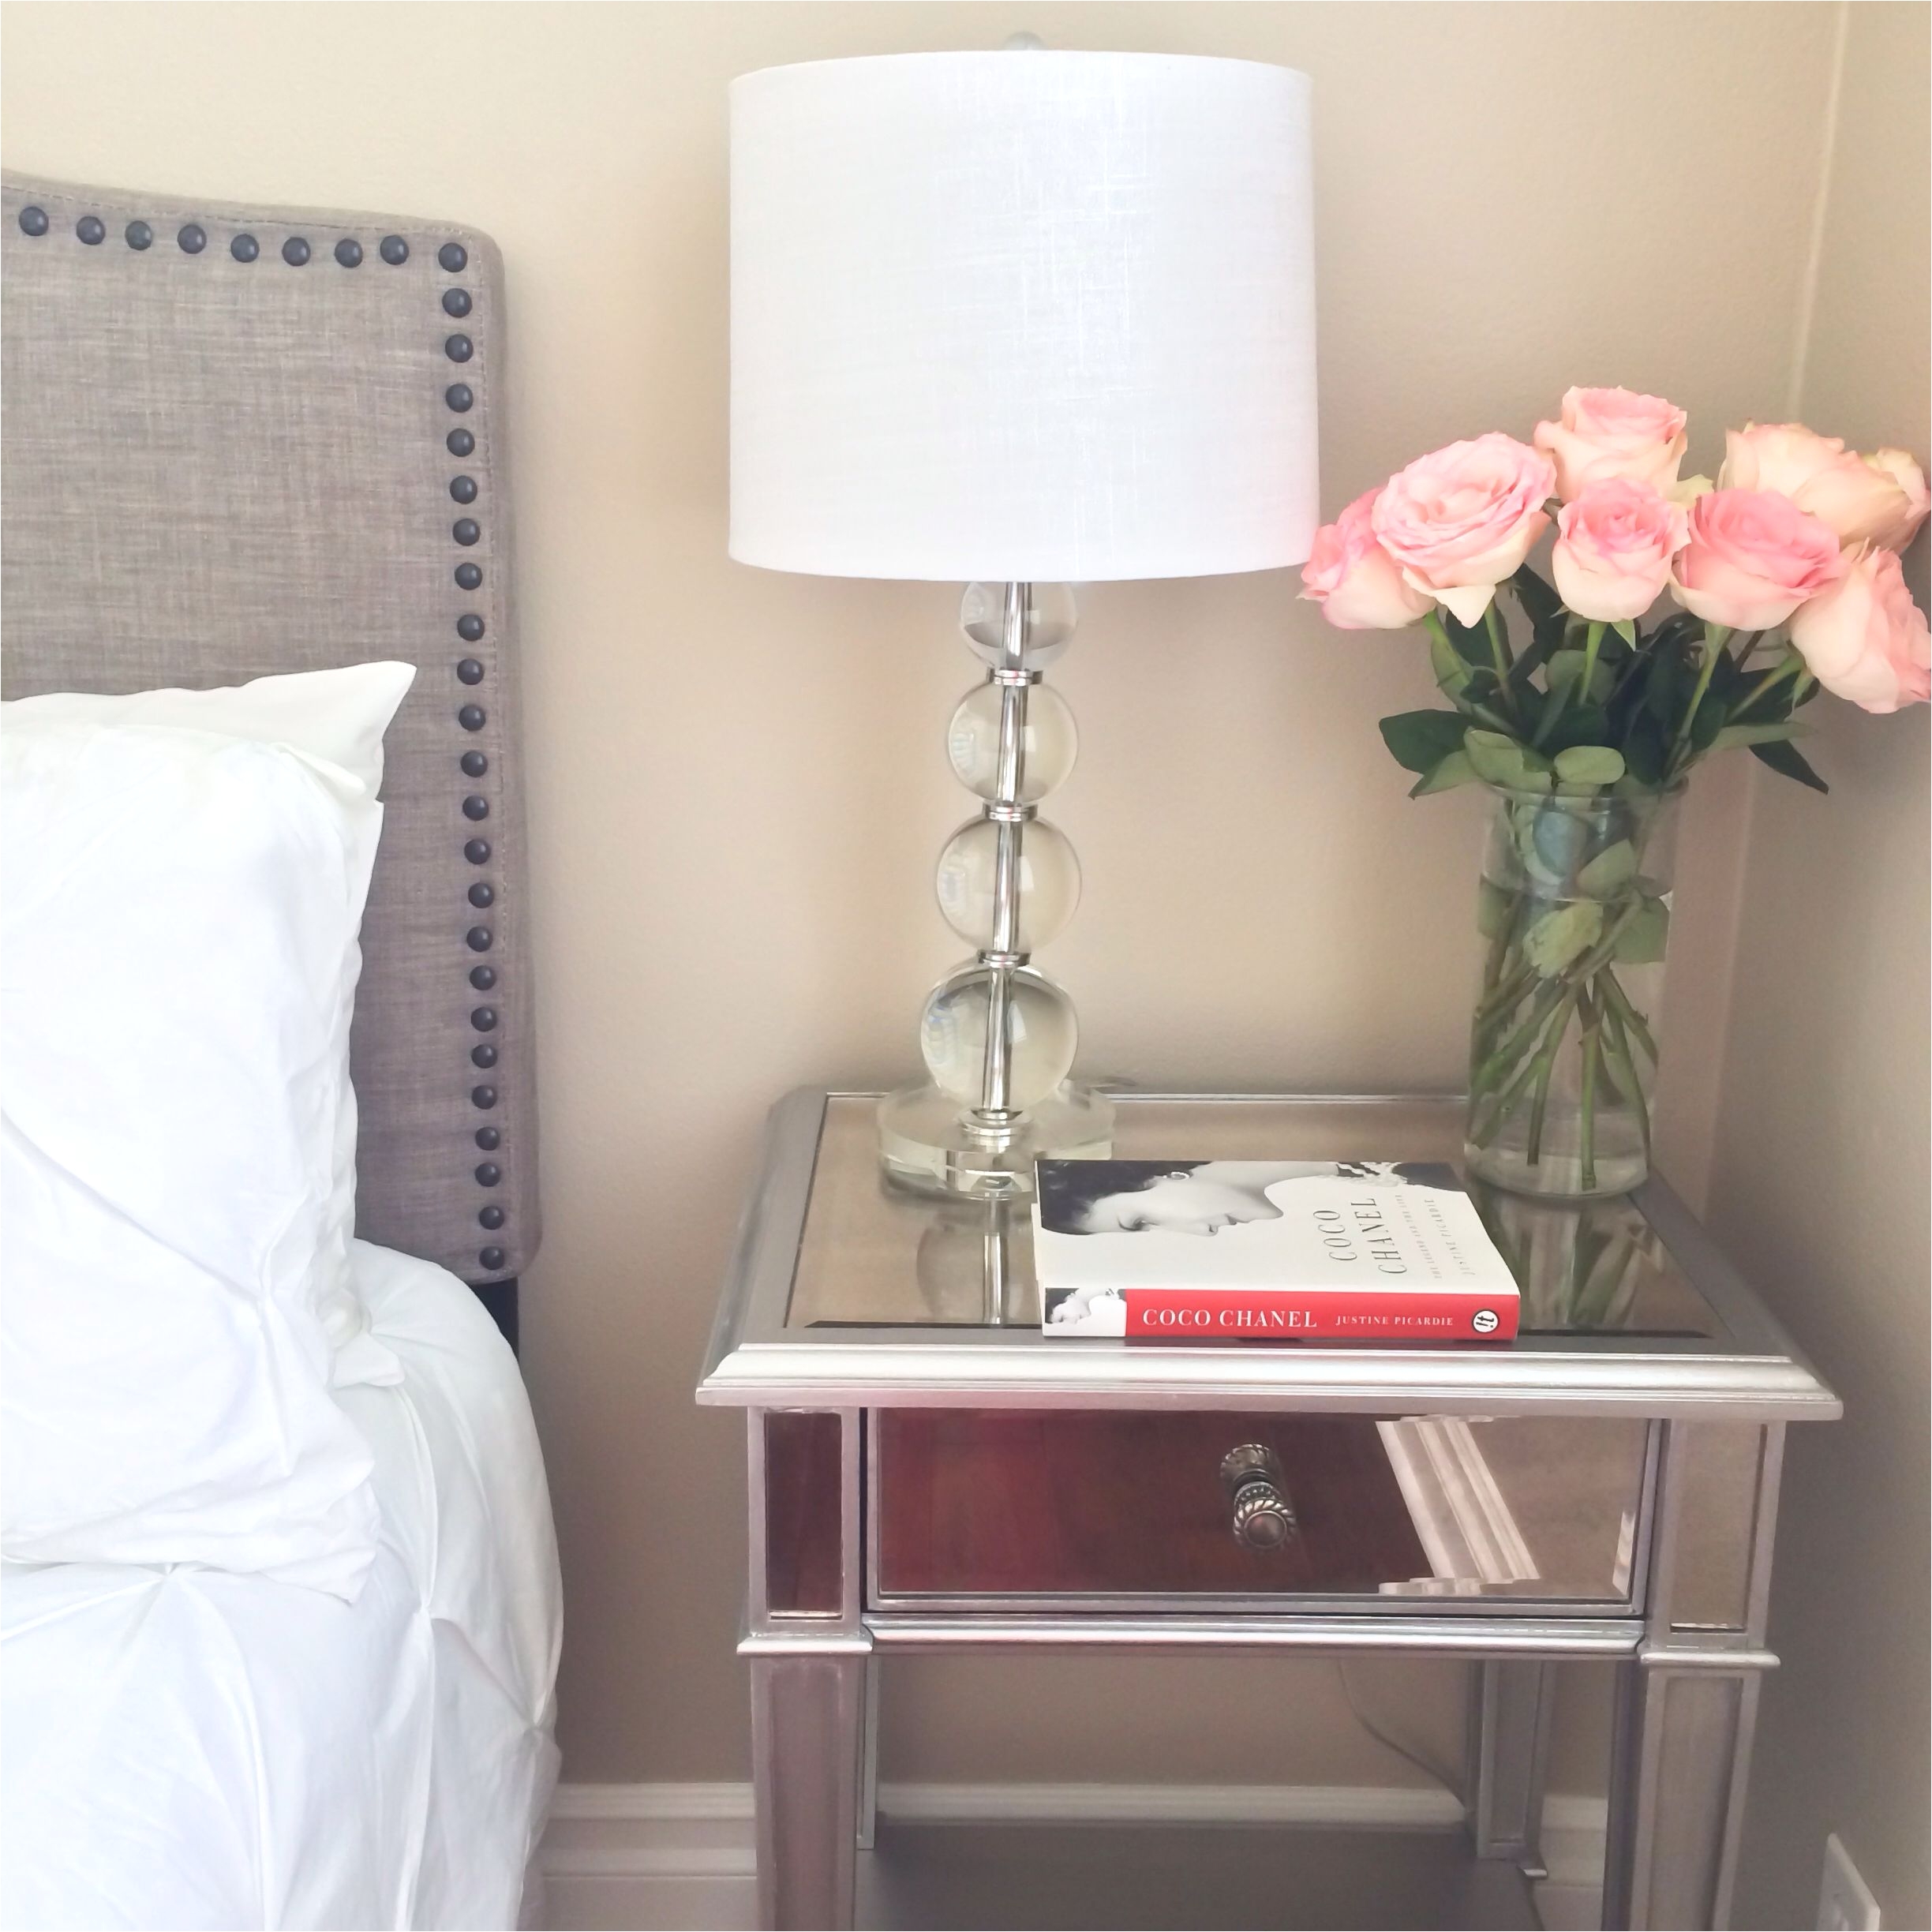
x,y
927,1142
1010,743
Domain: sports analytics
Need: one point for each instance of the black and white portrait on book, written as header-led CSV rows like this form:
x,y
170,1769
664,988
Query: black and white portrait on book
x,y
1194,1197
1105,1227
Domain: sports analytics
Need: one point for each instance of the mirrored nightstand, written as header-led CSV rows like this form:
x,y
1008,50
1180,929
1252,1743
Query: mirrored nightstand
x,y
928,1471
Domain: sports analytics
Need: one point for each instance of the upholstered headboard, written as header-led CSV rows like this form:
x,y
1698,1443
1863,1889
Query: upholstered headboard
x,y
245,440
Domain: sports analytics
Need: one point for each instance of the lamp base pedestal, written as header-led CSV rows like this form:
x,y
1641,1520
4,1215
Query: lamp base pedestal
x,y
928,1143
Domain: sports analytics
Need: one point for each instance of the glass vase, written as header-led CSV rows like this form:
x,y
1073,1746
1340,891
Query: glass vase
x,y
1574,911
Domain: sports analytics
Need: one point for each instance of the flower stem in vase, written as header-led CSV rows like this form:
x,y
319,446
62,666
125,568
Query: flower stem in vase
x,y
1539,1100
1501,947
1609,1081
1586,1111
1506,996
1604,950
1617,1056
1555,1018
1515,1042
1630,1020
1574,908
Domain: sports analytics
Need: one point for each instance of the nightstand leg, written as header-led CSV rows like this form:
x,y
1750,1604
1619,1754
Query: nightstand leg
x,y
868,1763
1687,1702
806,1725
1509,1743
1682,1752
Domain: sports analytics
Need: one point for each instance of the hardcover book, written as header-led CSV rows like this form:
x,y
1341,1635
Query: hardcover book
x,y
1266,1251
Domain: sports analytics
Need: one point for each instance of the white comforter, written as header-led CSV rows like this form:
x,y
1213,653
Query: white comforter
x,y
185,1747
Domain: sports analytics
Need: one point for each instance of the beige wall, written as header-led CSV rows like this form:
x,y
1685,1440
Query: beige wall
x,y
1820,1182
738,787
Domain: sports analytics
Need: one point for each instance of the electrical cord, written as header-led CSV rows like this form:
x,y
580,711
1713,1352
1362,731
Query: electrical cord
x,y
1452,1784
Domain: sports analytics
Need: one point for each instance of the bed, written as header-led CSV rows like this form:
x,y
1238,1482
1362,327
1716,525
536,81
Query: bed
x,y
242,441
188,1747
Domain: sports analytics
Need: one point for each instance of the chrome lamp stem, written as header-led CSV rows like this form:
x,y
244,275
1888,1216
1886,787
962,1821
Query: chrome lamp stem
x,y
1009,816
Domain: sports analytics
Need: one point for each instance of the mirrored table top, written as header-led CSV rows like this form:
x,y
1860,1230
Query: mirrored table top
x,y
846,1289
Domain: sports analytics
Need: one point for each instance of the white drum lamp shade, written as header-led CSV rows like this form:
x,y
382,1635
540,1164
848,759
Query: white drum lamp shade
x,y
1026,316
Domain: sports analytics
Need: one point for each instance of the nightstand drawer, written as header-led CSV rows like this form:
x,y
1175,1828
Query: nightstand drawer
x,y
994,1508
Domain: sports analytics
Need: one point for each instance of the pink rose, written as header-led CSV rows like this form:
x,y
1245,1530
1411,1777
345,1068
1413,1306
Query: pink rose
x,y
1870,498
1358,584
1613,432
1614,546
1879,499
1863,637
1776,456
1461,519
1752,558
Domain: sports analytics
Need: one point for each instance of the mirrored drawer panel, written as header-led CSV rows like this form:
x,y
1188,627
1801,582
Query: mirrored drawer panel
x,y
1003,1508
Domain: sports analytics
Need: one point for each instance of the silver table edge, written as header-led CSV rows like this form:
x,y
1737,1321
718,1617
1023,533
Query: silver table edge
x,y
755,1361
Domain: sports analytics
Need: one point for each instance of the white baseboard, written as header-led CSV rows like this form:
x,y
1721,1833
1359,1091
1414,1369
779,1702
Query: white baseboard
x,y
1372,1807
652,1856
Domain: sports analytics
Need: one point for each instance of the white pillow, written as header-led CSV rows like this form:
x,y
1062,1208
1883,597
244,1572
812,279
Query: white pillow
x,y
184,877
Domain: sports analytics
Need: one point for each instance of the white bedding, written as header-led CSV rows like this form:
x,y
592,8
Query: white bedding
x,y
189,1747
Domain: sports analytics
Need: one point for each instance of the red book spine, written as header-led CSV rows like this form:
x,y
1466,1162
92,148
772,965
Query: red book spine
x,y
1322,1314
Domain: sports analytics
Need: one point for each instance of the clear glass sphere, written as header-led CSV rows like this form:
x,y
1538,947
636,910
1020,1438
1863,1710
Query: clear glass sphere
x,y
1048,742
1050,883
1051,616
1041,1034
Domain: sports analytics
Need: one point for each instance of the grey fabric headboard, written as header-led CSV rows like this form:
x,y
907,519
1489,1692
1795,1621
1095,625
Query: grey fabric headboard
x,y
239,441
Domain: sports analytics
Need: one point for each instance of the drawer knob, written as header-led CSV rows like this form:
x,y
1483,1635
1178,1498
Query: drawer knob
x,y
1263,1518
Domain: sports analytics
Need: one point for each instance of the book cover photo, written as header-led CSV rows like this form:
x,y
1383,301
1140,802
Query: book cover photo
x,y
1266,1251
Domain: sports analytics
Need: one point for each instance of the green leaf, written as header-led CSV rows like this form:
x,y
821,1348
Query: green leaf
x,y
1705,726
1667,688
1641,943
1454,770
1789,762
1451,673
1562,935
1644,751
1733,735
1589,764
1471,641
1483,687
1581,725
1495,758
1530,704
1729,684
1541,604
1542,648
1626,628
1610,871
1420,740
1566,670
1673,630
1548,620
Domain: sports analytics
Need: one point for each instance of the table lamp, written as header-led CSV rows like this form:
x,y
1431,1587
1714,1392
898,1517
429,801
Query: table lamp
x,y
1018,319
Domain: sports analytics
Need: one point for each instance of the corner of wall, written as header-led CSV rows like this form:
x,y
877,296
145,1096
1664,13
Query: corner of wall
x,y
1745,807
